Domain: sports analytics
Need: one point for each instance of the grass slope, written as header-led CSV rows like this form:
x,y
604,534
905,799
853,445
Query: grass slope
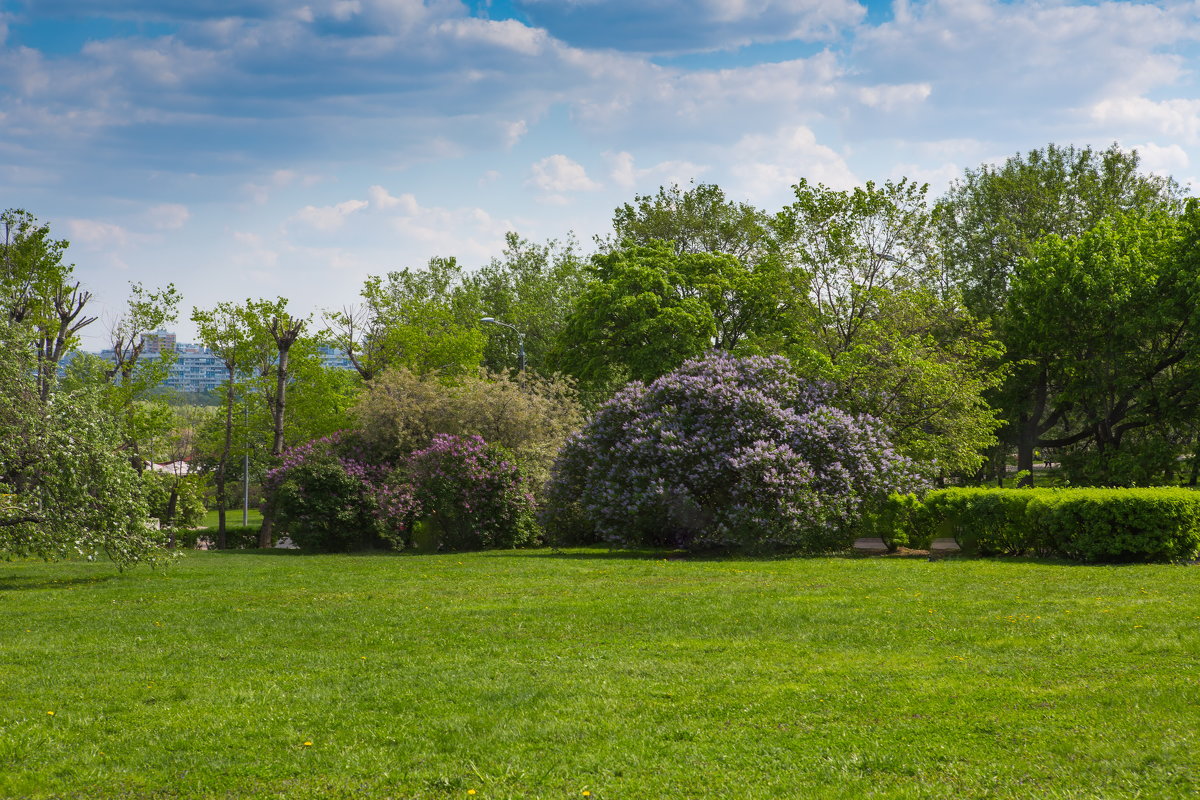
x,y
531,674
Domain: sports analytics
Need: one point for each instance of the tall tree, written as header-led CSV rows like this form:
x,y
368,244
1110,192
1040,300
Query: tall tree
x,y
36,289
134,378
990,218
222,330
699,219
1104,331
888,329
65,490
416,319
648,308
272,332
530,286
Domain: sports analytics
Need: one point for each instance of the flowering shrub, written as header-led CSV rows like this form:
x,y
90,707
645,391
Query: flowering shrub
x,y
473,491
327,499
327,496
723,451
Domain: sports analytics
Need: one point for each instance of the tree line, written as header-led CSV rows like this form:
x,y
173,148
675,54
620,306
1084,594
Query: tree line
x,y
1041,307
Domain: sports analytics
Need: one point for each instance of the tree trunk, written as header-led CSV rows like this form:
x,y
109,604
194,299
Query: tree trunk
x,y
1026,441
283,340
222,540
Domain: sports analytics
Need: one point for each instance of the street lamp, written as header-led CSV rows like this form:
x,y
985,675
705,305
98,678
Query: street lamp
x,y
520,339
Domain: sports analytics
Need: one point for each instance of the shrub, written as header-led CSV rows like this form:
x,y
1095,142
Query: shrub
x,y
1160,524
468,494
723,451
472,492
175,501
530,416
328,500
237,537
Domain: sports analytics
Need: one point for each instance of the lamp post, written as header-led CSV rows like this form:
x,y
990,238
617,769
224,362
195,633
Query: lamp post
x,y
520,339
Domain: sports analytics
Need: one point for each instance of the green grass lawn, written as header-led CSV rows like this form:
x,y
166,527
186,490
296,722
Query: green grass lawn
x,y
531,674
233,516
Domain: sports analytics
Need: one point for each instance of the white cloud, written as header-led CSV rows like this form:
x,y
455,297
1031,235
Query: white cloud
x,y
556,175
96,235
894,98
1162,160
327,218
381,200
168,216
1177,118
624,173
769,165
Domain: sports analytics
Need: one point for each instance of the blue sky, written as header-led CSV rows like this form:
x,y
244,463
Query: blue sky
x,y
288,148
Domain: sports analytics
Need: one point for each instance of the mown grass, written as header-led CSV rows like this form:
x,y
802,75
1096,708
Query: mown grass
x,y
233,517
540,675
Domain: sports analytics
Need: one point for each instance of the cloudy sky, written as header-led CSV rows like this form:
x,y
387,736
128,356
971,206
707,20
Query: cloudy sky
x,y
265,147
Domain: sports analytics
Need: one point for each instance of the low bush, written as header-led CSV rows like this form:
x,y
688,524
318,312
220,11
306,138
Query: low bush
x,y
471,493
723,451
237,537
326,499
530,416
1161,524
467,493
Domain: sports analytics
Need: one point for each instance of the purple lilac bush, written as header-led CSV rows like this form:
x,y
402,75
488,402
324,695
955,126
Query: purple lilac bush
x,y
328,495
473,491
723,451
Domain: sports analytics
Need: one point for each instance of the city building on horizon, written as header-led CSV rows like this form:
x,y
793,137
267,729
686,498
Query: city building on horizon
x,y
196,368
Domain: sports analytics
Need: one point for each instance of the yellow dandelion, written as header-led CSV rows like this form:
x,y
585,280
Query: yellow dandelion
x,y
364,658
50,713
308,744
586,793
469,791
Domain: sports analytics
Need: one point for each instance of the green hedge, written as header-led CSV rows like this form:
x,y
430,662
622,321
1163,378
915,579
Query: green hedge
x,y
1084,524
236,537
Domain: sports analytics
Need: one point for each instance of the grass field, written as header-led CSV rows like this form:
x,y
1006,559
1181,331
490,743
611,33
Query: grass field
x,y
540,675
233,516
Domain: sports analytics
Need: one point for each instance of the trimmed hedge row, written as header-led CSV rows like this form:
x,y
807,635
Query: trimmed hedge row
x,y
1084,524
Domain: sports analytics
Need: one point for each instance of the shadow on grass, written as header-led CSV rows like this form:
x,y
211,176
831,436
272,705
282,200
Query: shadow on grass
x,y
18,583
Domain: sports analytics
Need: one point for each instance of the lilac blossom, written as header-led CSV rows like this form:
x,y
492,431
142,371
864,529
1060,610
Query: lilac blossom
x,y
724,451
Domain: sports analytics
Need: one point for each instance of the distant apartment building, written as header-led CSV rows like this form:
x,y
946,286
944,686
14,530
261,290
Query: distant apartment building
x,y
197,369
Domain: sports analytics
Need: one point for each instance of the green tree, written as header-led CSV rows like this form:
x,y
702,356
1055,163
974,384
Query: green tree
x,y
222,330
697,220
1103,329
134,380
888,329
648,308
990,219
36,291
64,487
530,286
271,333
418,319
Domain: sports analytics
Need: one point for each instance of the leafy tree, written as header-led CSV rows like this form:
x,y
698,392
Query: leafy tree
x,y
1104,329
696,220
222,330
531,287
36,290
64,487
134,380
990,219
888,330
271,333
421,320
648,308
